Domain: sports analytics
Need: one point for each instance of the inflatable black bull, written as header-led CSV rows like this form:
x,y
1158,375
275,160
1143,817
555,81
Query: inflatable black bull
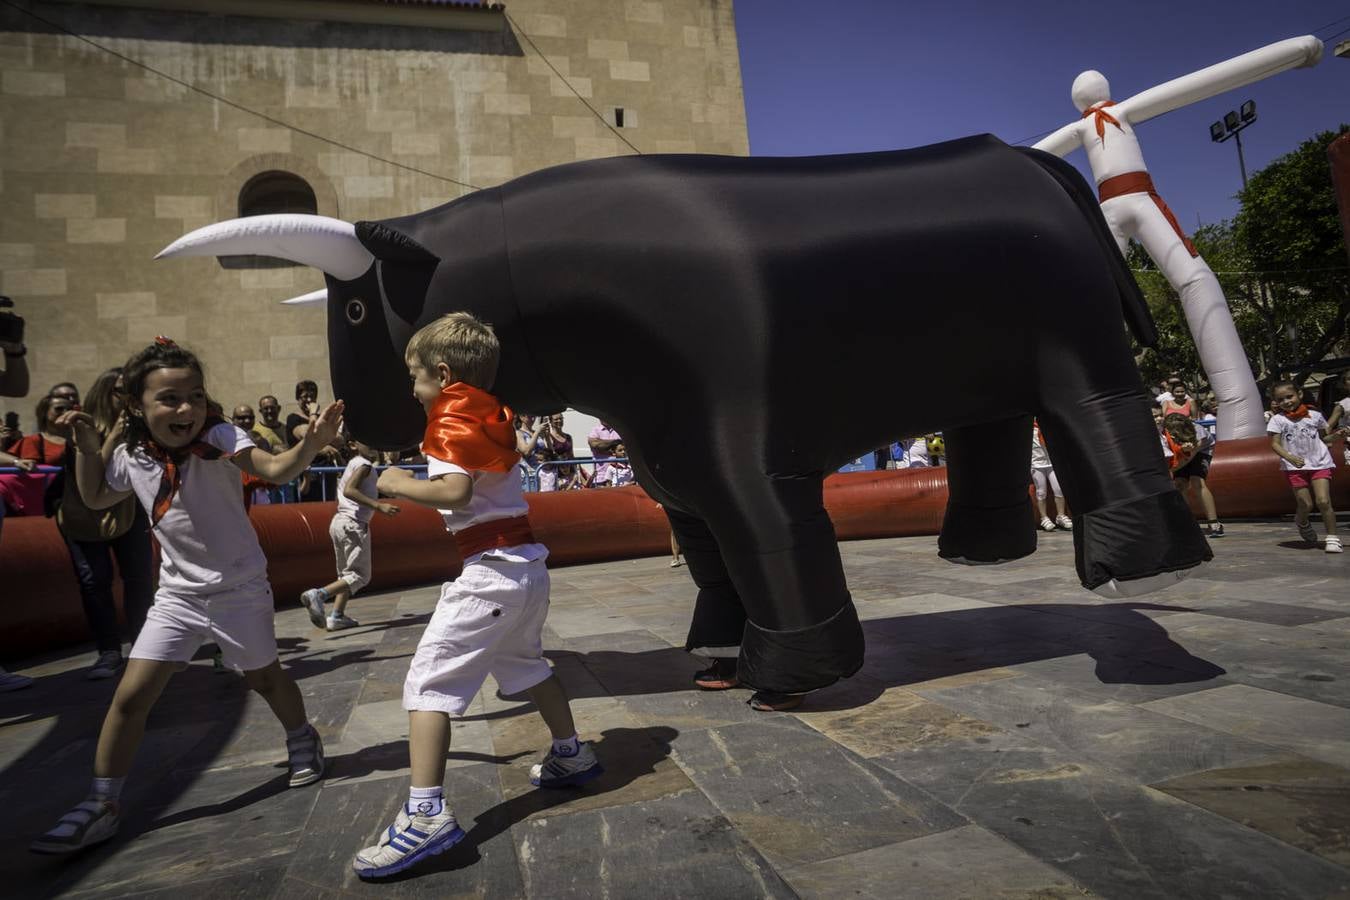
x,y
743,323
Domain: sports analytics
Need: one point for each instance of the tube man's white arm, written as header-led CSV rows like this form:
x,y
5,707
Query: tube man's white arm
x,y
1209,82
1062,142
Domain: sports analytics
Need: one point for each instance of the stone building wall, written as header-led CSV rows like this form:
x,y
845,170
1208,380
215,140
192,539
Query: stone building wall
x,y
103,163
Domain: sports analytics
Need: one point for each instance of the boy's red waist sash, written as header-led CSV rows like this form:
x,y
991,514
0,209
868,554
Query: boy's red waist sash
x,y
497,533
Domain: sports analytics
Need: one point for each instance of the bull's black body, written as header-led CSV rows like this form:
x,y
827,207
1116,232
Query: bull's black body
x,y
749,325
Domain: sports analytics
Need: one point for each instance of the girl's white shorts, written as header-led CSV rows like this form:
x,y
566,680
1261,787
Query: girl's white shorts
x,y
489,621
239,620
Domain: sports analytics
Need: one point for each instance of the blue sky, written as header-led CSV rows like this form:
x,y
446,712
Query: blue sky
x,y
827,77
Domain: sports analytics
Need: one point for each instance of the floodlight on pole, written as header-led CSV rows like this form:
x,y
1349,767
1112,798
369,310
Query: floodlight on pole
x,y
1230,127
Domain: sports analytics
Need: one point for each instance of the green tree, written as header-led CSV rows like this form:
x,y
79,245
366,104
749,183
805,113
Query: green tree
x,y
1290,230
1281,263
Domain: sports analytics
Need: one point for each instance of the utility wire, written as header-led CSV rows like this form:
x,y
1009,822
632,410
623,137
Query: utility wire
x,y
520,31
239,106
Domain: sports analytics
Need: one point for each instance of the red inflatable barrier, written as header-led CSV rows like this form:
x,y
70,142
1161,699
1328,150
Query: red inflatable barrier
x,y
40,605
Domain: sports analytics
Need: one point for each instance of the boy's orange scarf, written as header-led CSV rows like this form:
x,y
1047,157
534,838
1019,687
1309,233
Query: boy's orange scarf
x,y
172,461
472,429
1174,462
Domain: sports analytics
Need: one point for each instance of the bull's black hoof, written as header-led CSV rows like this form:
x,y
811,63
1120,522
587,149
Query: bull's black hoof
x,y
1138,546
807,659
977,534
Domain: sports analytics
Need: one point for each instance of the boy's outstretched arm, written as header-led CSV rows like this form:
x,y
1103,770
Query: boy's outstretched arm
x,y
453,491
287,465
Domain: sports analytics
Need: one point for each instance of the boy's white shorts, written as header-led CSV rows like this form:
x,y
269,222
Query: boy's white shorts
x,y
239,620
489,621
351,546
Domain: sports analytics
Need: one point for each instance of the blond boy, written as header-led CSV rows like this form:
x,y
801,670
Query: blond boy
x,y
489,620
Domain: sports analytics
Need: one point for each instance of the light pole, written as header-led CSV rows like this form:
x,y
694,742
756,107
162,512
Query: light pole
x,y
1230,127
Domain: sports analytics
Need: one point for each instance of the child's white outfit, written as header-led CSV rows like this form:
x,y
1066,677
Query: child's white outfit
x,y
1303,438
490,619
1042,471
350,528
213,574
1344,404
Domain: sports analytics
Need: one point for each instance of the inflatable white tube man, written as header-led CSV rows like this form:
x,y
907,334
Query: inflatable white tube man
x,y
1133,208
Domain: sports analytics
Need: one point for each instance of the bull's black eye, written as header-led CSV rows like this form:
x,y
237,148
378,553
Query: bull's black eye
x,y
356,312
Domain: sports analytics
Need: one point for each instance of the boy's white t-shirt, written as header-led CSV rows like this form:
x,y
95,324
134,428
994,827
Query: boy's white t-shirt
x,y
496,495
1302,437
206,541
345,505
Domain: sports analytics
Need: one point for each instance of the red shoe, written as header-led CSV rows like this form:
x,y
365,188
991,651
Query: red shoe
x,y
720,676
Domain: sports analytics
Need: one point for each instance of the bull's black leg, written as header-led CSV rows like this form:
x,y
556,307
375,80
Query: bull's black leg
x,y
779,546
1130,523
719,617
988,509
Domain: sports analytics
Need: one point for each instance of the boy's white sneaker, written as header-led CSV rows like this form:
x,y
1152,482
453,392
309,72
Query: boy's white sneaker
x,y
305,757
1306,532
407,842
567,771
340,622
91,822
1333,544
1047,524
1064,522
312,601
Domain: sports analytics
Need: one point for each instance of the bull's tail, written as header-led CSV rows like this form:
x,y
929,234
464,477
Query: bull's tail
x,y
1137,315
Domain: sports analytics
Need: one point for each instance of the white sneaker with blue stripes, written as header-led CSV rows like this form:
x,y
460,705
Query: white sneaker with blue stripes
x,y
567,771
407,842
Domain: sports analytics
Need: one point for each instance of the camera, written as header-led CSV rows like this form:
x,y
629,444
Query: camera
x,y
12,420
11,325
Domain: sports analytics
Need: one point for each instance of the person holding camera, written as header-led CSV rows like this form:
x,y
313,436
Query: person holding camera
x,y
14,379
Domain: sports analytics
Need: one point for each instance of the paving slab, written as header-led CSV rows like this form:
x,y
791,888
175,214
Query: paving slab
x,y
1010,735
1313,729
801,798
967,863
1299,801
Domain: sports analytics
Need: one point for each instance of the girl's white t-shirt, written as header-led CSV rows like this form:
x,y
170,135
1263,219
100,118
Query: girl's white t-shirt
x,y
1344,403
496,495
1302,437
206,541
348,507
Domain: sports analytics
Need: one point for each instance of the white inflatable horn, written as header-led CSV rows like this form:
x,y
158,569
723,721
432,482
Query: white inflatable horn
x,y
319,241
313,298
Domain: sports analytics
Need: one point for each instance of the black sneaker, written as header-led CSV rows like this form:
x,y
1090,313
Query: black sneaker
x,y
1215,530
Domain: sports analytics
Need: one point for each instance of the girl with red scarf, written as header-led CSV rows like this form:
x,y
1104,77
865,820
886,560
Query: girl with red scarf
x,y
1298,437
182,464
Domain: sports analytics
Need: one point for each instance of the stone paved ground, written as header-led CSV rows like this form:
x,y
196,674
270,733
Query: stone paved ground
x,y
1010,736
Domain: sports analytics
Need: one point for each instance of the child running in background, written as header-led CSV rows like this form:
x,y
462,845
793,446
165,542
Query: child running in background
x,y
1189,462
1043,475
1339,421
183,466
490,619
357,501
1297,438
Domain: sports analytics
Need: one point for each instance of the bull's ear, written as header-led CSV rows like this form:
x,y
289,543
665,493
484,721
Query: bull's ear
x,y
384,242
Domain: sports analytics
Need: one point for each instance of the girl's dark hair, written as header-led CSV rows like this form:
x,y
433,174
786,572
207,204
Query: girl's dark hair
x,y
302,386
163,354
1284,382
98,401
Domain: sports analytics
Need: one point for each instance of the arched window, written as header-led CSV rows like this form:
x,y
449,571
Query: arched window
x,y
276,192
268,192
